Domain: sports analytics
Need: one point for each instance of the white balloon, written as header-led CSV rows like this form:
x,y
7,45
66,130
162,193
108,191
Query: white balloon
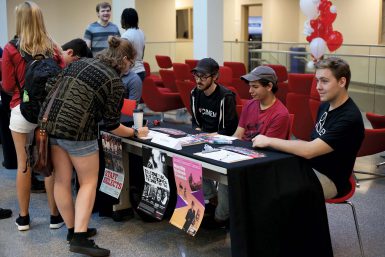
x,y
317,47
307,29
309,8
333,9
310,65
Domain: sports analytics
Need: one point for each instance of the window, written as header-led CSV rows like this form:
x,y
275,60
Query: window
x,y
184,23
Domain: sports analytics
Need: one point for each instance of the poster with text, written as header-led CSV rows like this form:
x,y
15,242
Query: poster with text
x,y
113,178
156,191
190,204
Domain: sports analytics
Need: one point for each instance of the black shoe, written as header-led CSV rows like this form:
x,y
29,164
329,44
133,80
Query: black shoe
x,y
56,222
90,233
22,222
5,213
210,222
88,247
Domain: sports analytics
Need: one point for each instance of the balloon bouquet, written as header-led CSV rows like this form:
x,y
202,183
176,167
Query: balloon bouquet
x,y
318,27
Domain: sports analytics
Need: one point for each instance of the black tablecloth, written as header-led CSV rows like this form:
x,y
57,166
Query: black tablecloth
x,y
276,204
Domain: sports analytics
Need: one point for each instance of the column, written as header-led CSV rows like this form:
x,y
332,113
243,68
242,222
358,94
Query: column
x,y
208,29
3,23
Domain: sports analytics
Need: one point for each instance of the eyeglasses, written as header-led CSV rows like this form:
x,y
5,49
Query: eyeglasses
x,y
132,64
201,77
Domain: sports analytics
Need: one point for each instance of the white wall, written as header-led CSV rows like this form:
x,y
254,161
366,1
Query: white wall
x,y
65,20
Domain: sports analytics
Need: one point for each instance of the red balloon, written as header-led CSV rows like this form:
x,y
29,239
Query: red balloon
x,y
311,37
334,41
324,6
323,30
327,17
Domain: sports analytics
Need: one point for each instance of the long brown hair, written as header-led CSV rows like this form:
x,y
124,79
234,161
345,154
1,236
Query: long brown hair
x,y
31,31
117,50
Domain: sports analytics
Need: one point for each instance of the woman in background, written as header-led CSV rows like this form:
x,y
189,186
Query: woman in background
x,y
32,38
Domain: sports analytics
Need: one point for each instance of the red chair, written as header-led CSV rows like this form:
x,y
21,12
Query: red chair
x,y
155,78
239,69
163,61
168,78
158,100
314,101
344,200
291,116
297,102
128,107
282,83
377,121
192,63
374,142
183,72
225,79
184,89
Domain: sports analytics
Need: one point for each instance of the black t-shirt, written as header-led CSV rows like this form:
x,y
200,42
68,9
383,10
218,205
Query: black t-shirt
x,y
343,130
216,112
209,110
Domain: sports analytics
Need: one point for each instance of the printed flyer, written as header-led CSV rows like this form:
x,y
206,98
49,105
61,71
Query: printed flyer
x,y
190,205
113,178
156,192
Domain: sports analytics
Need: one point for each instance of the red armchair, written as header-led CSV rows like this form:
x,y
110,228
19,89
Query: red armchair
x,y
168,79
282,83
239,69
182,72
297,102
163,61
184,89
155,78
377,121
192,63
314,100
374,142
157,100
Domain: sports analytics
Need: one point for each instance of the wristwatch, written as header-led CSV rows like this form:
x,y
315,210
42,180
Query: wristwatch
x,y
136,132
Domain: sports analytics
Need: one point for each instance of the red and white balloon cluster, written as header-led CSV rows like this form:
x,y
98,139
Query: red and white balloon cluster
x,y
318,27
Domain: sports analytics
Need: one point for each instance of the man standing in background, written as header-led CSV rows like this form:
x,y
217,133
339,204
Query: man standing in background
x,y
97,33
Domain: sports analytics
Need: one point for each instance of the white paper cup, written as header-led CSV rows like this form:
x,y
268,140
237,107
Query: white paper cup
x,y
138,118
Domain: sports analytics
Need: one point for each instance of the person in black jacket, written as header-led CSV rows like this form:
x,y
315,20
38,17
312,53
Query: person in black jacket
x,y
213,110
212,105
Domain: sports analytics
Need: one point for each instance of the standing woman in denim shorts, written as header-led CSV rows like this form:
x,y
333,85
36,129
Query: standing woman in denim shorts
x,y
89,91
33,39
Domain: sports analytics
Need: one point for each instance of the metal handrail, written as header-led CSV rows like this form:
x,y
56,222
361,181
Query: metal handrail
x,y
297,43
308,53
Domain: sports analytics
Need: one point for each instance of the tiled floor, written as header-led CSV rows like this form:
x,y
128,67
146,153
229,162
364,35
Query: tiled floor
x,y
137,238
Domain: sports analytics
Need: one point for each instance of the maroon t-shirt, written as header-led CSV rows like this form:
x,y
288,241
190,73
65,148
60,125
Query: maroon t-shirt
x,y
272,122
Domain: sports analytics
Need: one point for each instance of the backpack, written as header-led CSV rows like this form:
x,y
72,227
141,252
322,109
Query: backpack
x,y
38,70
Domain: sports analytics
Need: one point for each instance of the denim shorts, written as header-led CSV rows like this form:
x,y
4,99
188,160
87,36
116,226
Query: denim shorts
x,y
18,123
76,148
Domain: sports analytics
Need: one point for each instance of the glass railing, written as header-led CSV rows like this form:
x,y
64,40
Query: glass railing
x,y
367,63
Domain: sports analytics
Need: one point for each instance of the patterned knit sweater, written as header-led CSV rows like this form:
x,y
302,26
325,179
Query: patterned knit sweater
x,y
89,92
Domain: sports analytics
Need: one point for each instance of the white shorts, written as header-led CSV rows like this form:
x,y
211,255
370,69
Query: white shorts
x,y
18,123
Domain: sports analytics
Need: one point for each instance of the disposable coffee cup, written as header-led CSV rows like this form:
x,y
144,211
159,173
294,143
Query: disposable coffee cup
x,y
138,118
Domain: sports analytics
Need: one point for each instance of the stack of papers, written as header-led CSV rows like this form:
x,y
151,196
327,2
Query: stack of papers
x,y
224,156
